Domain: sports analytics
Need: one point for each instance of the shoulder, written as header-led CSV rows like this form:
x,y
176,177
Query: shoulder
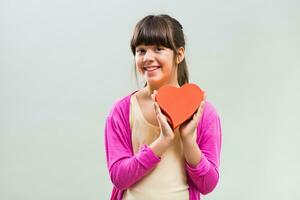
x,y
121,106
209,109
210,122
209,113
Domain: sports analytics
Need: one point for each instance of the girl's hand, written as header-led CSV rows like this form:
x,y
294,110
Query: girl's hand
x,y
167,132
188,129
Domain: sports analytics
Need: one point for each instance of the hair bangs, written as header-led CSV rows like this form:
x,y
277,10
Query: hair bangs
x,y
151,31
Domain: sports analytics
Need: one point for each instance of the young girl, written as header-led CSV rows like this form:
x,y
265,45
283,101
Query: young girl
x,y
145,157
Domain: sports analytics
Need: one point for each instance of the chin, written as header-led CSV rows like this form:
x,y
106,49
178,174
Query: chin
x,y
155,83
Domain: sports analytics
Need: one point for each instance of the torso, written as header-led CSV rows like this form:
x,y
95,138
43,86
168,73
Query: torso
x,y
167,180
148,108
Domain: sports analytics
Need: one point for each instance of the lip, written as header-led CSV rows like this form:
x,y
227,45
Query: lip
x,y
151,68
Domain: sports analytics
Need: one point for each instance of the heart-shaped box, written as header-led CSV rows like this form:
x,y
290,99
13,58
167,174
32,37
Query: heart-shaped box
x,y
179,104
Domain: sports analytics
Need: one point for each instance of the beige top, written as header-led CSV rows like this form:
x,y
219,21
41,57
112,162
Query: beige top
x,y
168,179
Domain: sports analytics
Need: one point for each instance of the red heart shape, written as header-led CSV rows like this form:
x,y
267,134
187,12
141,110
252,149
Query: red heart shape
x,y
179,104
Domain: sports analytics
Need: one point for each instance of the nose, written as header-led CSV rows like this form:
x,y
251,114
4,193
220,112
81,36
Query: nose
x,y
149,56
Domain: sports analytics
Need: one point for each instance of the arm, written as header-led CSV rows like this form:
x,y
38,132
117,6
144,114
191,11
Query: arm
x,y
125,169
205,174
192,152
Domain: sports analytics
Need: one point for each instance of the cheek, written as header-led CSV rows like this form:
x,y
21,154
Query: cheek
x,y
138,65
139,70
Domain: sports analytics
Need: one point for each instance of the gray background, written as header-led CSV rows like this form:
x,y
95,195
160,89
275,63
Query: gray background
x,y
64,63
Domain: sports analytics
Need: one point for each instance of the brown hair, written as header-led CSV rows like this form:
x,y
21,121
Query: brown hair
x,y
161,30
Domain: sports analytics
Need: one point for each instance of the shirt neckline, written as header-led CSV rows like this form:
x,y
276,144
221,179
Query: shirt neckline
x,y
141,113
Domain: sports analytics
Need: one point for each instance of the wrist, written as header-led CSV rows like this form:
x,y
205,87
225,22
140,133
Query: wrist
x,y
188,139
160,145
192,152
164,140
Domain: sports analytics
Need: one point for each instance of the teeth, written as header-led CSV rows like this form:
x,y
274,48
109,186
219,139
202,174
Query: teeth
x,y
151,68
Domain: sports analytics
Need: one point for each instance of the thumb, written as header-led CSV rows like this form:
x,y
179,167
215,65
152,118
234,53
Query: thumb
x,y
153,95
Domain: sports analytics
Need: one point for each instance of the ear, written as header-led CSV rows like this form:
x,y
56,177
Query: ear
x,y
180,55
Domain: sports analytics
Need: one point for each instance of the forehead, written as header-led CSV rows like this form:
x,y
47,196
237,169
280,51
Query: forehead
x,y
147,45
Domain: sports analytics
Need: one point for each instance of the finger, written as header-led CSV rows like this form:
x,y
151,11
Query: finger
x,y
157,112
202,103
153,95
157,109
162,120
201,107
198,114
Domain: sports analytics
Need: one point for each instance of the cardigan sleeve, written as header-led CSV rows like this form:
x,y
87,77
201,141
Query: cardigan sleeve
x,y
205,174
125,169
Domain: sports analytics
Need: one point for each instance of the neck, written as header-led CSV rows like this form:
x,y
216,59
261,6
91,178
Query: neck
x,y
149,89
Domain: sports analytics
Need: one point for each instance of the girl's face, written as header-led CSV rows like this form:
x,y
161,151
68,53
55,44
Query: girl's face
x,y
156,65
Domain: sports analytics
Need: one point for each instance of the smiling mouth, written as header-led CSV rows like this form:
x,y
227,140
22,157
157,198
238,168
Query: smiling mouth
x,y
150,69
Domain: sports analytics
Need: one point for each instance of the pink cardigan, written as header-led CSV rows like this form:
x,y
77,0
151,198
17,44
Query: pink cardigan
x,y
125,168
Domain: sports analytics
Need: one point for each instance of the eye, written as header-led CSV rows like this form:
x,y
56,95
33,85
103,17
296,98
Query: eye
x,y
140,50
160,48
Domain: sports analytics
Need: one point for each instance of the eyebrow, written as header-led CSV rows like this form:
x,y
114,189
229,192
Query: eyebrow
x,y
145,46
